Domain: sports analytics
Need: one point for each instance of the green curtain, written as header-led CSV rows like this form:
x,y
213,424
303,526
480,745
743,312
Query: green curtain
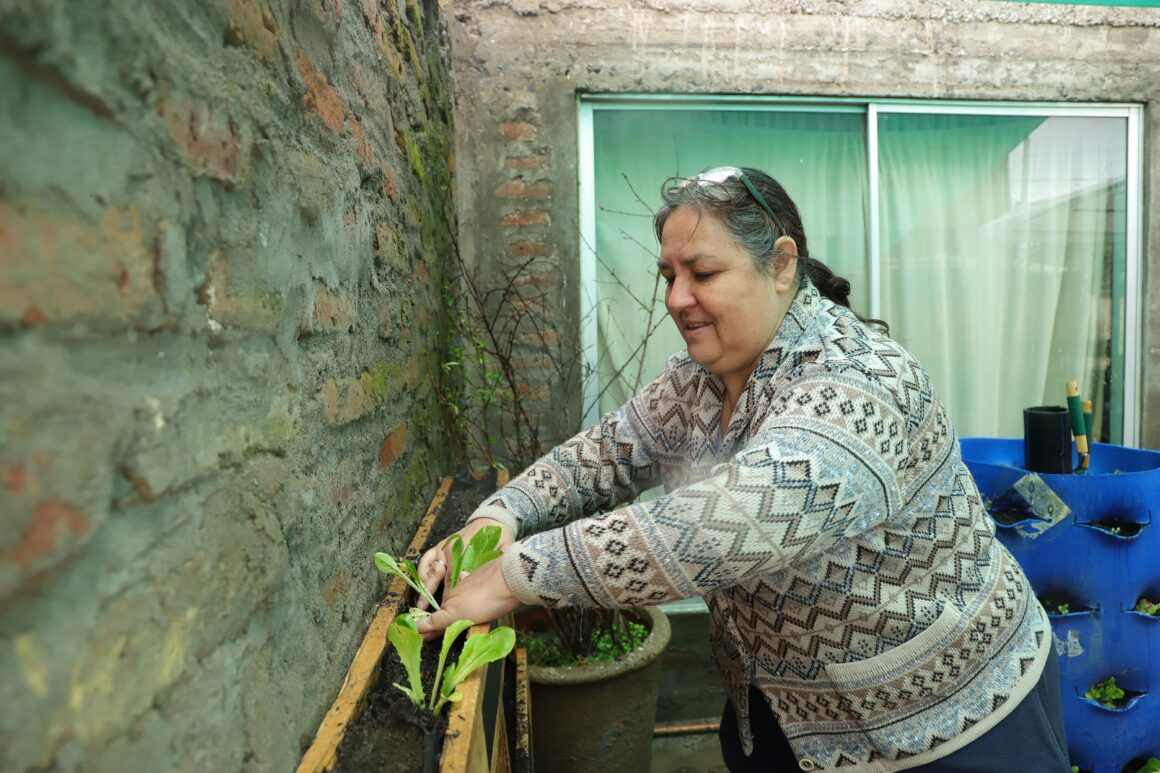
x,y
1001,241
819,156
997,237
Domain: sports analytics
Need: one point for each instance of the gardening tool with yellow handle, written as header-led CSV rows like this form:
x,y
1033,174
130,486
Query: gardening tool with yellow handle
x,y
1078,425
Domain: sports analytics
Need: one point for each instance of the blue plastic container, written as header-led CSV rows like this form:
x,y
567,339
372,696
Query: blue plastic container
x,y
1100,557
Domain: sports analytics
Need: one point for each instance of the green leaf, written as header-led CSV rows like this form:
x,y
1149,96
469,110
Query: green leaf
x,y
403,634
409,573
387,564
479,551
1105,692
478,650
449,636
456,543
482,548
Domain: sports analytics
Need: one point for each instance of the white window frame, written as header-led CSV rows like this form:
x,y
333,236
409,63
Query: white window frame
x,y
588,105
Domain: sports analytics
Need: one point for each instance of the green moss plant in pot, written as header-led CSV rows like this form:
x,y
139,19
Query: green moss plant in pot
x,y
594,677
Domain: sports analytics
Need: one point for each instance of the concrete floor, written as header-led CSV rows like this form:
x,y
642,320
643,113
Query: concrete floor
x,y
687,754
690,691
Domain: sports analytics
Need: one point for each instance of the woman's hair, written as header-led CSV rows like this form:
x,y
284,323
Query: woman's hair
x,y
757,211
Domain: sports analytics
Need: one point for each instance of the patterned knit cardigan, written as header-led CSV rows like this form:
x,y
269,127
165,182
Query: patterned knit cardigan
x,y
851,572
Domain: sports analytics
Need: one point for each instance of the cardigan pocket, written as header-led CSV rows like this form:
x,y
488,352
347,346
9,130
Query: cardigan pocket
x,y
876,689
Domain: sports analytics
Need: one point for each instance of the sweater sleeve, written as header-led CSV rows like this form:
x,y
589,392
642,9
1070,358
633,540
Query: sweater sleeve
x,y
608,464
821,467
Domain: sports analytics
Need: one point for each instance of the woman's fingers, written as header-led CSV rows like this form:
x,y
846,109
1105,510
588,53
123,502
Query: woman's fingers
x,y
482,598
432,626
432,571
433,565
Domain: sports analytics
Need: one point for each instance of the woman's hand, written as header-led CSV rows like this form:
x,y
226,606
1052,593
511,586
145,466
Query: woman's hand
x,y
433,564
481,597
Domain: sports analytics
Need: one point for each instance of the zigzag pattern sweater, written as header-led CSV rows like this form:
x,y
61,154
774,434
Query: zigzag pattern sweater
x,y
850,569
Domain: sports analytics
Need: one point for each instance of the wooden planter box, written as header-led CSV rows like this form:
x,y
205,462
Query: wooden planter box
x,y
476,740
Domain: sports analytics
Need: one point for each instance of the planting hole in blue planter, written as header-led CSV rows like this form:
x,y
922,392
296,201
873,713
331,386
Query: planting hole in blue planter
x,y
1143,764
1117,528
1106,695
1061,604
1147,606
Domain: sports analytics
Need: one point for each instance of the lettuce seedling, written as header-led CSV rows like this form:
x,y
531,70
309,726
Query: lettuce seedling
x,y
1144,606
480,550
404,635
478,650
1106,692
387,564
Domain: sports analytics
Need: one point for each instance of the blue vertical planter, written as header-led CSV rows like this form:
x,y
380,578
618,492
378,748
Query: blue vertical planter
x,y
1100,556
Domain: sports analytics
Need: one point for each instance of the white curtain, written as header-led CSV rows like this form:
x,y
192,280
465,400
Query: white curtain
x,y
997,237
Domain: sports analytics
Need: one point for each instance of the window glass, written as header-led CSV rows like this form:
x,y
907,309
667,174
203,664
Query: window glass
x,y
1002,267
1001,239
819,156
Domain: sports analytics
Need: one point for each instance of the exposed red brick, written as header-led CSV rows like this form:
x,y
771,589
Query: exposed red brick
x,y
537,279
210,139
519,130
393,446
527,249
44,529
526,162
33,316
537,394
541,338
335,588
390,187
232,303
361,145
330,310
370,9
15,479
385,520
536,217
320,97
59,267
517,189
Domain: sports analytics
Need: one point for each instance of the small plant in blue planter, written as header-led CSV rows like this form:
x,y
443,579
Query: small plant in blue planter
x,y
1147,607
1109,695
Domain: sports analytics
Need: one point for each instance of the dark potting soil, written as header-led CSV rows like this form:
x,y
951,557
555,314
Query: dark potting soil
x,y
388,735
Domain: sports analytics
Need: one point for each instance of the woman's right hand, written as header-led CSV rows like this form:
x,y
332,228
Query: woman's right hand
x,y
434,563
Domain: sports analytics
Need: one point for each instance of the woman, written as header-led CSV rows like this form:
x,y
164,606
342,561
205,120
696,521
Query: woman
x,y
863,615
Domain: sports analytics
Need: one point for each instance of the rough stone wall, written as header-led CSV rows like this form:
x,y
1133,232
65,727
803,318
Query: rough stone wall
x,y
526,61
223,229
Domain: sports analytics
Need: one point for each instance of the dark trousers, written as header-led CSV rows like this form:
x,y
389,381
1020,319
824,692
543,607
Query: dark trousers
x,y
1029,738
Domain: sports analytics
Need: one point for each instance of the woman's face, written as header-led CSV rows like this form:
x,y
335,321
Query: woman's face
x,y
726,310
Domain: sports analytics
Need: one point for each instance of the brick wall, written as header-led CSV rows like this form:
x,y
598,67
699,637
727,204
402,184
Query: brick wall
x,y
223,230
530,239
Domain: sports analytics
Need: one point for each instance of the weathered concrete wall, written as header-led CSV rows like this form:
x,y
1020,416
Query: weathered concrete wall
x,y
223,229
522,63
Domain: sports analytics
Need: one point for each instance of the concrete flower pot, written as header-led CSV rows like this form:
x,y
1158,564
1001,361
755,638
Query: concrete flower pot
x,y
599,718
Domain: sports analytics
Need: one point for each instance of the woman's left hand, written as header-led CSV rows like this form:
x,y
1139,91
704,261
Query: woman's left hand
x,y
480,597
